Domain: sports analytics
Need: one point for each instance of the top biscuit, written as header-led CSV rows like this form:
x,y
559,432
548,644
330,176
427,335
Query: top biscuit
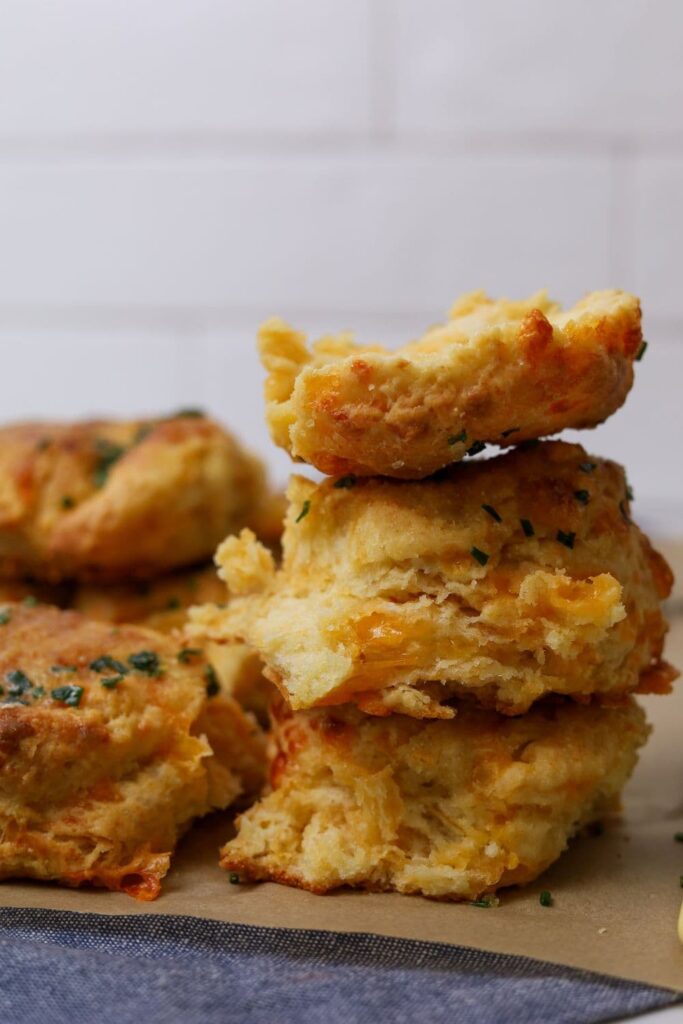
x,y
498,372
112,500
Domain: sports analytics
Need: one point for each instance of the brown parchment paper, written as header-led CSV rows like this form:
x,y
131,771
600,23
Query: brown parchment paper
x,y
616,896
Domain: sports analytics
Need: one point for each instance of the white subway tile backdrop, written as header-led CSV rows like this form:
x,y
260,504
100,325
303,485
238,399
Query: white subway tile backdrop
x,y
172,173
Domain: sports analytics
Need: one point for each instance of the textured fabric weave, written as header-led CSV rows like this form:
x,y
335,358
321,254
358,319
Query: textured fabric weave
x,y
83,968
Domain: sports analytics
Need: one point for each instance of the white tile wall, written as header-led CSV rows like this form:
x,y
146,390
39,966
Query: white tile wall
x,y
172,173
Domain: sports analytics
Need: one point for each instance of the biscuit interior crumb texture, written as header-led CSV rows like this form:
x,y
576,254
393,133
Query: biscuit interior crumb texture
x,y
111,501
380,598
109,746
499,372
450,809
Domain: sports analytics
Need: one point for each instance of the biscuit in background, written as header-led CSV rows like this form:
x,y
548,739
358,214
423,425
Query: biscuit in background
x,y
450,809
111,501
107,749
497,372
502,579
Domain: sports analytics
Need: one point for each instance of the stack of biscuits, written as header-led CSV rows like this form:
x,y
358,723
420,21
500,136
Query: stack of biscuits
x,y
456,639
114,733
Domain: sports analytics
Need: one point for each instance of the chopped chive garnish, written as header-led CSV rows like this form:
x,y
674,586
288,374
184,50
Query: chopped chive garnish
x,y
69,695
107,454
678,837
234,878
212,684
545,898
346,482
63,668
305,509
479,556
492,512
486,903
624,512
5,616
38,691
187,653
188,414
145,661
582,496
30,601
566,538
528,527
641,351
510,430
477,447
105,663
587,467
19,683
111,682
458,438
67,501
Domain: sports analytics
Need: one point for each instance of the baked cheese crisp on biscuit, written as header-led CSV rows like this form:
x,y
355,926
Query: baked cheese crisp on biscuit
x,y
452,809
497,372
503,579
112,501
112,740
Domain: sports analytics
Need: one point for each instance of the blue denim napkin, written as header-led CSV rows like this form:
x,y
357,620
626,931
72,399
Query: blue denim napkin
x,y
58,966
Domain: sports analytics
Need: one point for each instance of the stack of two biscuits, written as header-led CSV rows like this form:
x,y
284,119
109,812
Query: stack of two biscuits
x,y
456,646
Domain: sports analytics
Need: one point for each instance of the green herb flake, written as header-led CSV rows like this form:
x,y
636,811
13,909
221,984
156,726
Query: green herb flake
x,y
212,685
678,837
173,604
5,616
187,653
19,683
545,898
67,501
189,414
528,527
624,512
234,878
510,430
484,902
107,453
111,682
587,467
566,538
479,556
146,662
63,668
458,438
43,444
490,510
346,482
305,509
38,691
142,432
30,601
105,663
629,492
641,351
477,447
69,695
582,496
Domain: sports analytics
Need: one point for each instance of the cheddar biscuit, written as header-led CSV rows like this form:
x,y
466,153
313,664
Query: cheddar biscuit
x,y
503,579
112,739
498,372
110,501
451,810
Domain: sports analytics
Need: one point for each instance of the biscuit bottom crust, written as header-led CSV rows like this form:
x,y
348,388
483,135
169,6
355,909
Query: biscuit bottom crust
x,y
450,809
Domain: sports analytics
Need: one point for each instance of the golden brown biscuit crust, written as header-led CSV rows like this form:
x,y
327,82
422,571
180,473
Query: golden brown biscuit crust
x,y
502,579
451,810
497,372
104,756
111,501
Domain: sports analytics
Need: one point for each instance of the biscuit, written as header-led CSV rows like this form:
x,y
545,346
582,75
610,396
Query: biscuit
x,y
112,739
451,810
503,579
498,372
110,501
163,604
